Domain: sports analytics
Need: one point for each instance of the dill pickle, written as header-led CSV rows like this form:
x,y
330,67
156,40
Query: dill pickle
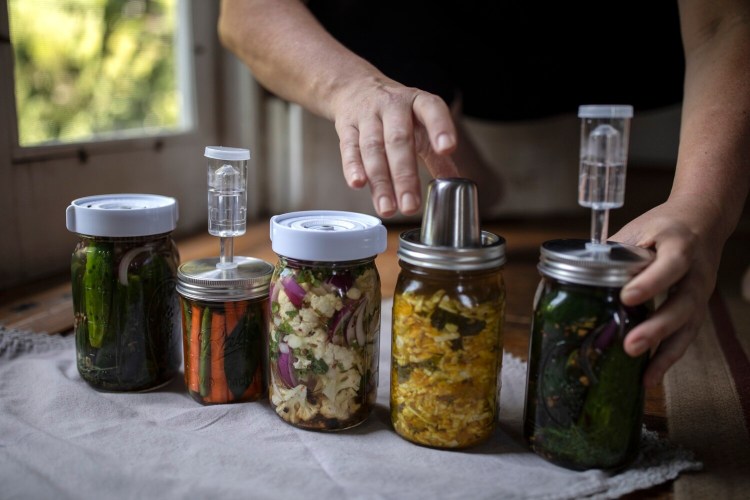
x,y
97,285
127,318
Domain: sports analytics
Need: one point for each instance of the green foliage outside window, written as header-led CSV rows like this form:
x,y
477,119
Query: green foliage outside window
x,y
93,69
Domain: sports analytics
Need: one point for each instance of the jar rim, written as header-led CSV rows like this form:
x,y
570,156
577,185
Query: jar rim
x,y
490,255
201,279
574,261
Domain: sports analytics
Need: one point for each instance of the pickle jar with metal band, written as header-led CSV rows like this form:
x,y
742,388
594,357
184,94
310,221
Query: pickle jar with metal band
x,y
325,318
123,273
448,312
224,328
584,394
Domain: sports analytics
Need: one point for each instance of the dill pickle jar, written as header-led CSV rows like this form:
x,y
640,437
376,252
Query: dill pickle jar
x,y
448,311
324,333
224,328
584,394
123,272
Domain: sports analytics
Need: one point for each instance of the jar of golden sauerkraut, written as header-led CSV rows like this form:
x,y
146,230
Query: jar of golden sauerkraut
x,y
446,352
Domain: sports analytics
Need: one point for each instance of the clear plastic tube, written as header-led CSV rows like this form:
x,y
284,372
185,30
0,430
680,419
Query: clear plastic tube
x,y
227,197
605,131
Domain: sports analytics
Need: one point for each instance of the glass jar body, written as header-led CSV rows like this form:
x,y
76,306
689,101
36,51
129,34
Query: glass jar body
x,y
446,355
324,338
126,311
223,345
584,394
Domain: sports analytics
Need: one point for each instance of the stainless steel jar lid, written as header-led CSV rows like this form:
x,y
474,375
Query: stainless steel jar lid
x,y
450,237
488,256
574,261
202,280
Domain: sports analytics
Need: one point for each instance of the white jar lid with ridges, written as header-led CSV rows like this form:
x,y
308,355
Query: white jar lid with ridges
x,y
327,235
122,215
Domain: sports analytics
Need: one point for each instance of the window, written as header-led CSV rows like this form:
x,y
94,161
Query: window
x,y
98,69
102,96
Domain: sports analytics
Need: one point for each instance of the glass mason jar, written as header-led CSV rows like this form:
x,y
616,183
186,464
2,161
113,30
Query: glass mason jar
x,y
324,332
224,328
584,394
446,352
123,273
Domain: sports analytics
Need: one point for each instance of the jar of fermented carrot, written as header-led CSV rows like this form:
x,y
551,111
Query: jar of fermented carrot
x,y
224,326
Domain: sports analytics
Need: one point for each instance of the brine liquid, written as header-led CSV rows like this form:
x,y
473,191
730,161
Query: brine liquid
x,y
227,202
227,214
601,186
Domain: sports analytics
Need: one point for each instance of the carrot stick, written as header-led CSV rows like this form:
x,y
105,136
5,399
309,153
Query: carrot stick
x,y
218,377
194,347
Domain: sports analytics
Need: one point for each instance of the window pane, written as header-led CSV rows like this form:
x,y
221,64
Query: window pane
x,y
96,69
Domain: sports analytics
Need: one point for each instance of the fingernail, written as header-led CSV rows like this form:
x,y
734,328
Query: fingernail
x,y
409,203
385,205
443,142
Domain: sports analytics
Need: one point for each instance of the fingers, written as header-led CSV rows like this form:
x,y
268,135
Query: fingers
x,y
354,171
671,264
382,146
434,114
669,331
438,138
401,155
373,152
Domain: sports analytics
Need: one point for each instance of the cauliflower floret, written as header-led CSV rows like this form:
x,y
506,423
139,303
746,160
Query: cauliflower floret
x,y
326,304
294,341
292,405
344,358
366,282
340,393
285,305
302,363
317,342
354,293
304,321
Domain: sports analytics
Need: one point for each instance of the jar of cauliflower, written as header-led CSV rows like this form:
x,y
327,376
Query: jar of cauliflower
x,y
324,332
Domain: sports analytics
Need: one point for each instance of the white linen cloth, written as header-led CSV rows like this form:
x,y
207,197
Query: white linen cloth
x,y
60,439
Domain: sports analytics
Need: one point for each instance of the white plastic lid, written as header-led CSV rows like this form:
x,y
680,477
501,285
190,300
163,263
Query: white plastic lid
x,y
122,215
605,111
327,235
226,153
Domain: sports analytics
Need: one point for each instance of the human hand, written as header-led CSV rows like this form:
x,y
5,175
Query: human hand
x,y
384,128
687,260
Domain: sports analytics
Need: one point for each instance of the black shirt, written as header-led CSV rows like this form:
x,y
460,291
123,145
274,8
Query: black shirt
x,y
516,60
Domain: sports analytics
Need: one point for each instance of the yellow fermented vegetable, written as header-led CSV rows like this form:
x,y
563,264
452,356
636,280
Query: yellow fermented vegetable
x,y
446,357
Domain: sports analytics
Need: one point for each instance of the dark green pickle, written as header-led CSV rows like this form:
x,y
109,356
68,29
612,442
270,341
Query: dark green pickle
x,y
584,394
127,322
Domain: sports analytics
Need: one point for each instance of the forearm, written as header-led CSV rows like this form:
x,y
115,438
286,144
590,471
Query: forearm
x,y
290,53
713,166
